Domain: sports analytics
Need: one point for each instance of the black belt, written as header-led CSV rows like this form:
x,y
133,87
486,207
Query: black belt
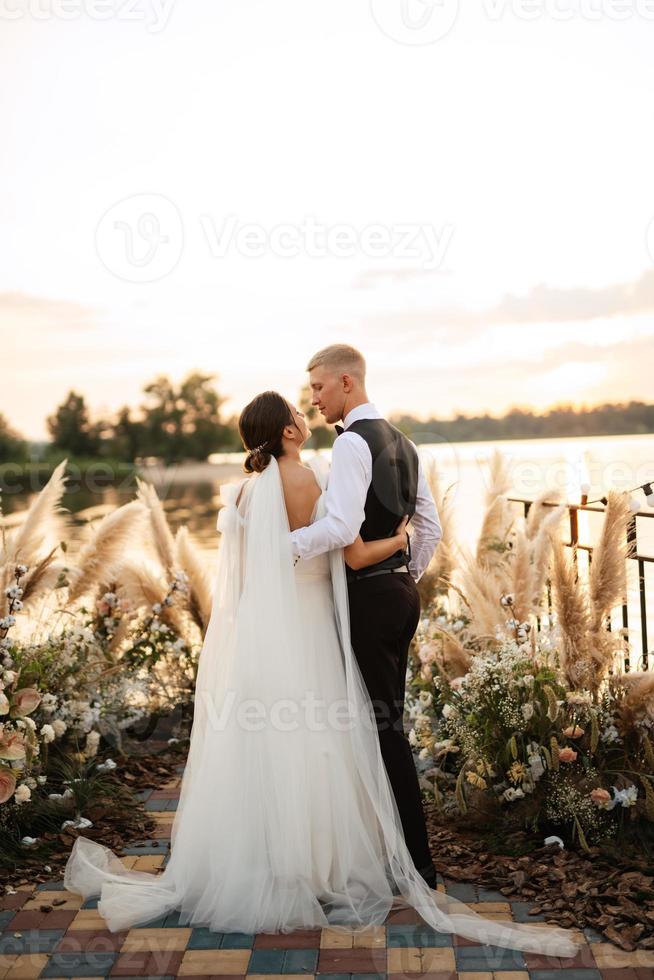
x,y
352,576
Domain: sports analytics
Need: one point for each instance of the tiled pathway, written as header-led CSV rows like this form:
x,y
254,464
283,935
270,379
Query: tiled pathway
x,y
71,940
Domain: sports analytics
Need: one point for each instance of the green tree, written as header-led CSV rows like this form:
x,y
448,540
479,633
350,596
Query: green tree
x,y
70,428
128,436
183,422
13,448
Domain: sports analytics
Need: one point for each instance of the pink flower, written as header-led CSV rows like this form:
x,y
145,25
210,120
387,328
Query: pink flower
x,y
575,732
601,797
566,754
12,747
7,784
24,702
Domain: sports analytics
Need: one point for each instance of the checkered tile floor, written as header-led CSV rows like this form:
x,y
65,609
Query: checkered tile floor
x,y
71,940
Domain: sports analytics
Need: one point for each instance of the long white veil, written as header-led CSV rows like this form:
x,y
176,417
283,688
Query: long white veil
x,y
242,851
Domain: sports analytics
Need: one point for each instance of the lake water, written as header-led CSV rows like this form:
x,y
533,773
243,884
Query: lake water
x,y
191,493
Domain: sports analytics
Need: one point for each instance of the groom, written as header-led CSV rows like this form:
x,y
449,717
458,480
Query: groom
x,y
376,478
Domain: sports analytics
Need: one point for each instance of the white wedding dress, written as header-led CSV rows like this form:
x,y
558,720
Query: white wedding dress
x,y
286,819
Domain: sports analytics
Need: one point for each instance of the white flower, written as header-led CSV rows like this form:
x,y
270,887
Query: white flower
x,y
527,711
156,608
21,569
512,794
48,703
107,765
28,841
413,738
18,605
31,782
48,733
424,753
610,734
426,698
9,676
627,797
23,793
59,727
536,767
554,840
449,711
81,823
41,780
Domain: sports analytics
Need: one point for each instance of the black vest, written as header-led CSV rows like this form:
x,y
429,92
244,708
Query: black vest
x,y
393,487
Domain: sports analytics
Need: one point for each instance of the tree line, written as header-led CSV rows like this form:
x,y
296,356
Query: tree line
x,y
186,422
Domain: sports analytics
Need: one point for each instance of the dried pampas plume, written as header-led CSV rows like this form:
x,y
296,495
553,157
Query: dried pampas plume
x,y
438,575
199,596
498,518
43,525
106,546
139,587
163,540
607,581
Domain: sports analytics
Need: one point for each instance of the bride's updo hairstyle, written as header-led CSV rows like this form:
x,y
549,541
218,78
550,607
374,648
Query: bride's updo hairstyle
x,y
261,426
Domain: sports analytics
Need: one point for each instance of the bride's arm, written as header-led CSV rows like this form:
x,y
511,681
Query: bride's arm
x,y
362,553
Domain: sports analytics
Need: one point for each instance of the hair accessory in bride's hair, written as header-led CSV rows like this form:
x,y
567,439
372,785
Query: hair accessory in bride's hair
x,y
257,449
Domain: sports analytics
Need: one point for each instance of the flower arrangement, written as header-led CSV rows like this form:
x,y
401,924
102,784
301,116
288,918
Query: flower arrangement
x,y
89,646
518,708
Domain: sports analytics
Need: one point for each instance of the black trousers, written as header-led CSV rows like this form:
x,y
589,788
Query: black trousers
x,y
384,614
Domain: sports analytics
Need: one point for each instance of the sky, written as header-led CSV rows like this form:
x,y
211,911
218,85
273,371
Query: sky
x,y
230,185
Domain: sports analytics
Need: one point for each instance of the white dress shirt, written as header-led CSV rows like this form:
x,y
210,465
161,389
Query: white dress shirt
x,y
349,479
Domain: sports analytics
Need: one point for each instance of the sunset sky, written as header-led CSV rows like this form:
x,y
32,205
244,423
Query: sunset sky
x,y
228,185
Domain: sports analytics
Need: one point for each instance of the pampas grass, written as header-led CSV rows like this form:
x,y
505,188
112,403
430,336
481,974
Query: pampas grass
x,y
43,523
25,545
498,519
588,648
438,575
529,561
162,537
178,554
199,594
139,586
105,547
636,697
607,582
572,614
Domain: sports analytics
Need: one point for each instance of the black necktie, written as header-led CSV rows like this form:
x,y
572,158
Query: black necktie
x,y
339,429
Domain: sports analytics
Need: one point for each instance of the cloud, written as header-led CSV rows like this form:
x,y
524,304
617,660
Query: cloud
x,y
540,304
23,311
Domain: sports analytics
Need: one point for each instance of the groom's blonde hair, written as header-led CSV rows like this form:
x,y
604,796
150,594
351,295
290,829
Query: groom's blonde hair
x,y
341,359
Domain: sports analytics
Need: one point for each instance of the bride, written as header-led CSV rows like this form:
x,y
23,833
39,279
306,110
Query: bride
x,y
286,819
